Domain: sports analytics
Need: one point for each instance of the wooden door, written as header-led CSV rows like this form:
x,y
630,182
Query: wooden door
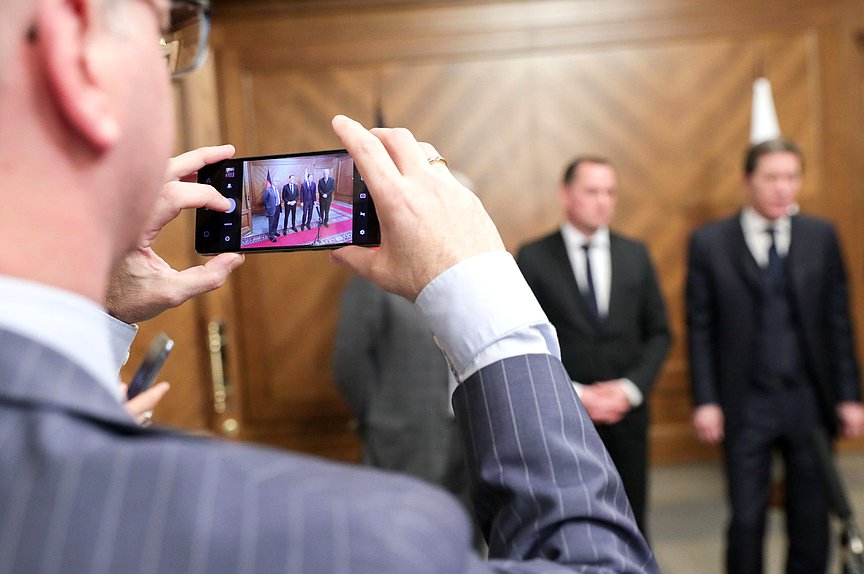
x,y
508,92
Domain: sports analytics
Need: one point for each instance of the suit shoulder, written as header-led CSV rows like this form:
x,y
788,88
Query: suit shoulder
x,y
628,242
538,245
813,223
715,229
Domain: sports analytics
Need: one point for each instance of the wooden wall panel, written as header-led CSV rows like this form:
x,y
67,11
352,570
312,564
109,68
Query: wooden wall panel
x,y
508,92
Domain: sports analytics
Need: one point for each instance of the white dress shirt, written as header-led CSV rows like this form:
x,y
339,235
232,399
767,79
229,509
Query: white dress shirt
x,y
70,324
601,262
755,227
601,276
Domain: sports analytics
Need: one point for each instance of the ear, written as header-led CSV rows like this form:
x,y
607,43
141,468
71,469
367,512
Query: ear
x,y
64,29
563,200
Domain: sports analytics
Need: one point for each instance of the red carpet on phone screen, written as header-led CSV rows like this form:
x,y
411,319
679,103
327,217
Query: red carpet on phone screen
x,y
340,224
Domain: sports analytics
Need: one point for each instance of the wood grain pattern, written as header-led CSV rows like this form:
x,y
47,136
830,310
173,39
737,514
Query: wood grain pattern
x,y
508,92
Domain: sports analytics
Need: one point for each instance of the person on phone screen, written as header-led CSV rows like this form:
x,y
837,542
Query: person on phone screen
x,y
84,89
307,198
270,199
326,187
290,195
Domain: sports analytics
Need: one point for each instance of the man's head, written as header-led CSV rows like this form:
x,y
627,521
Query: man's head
x,y
309,177
291,179
589,193
326,173
84,89
773,176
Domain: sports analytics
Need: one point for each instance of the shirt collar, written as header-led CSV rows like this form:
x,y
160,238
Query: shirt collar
x,y
575,239
68,323
754,222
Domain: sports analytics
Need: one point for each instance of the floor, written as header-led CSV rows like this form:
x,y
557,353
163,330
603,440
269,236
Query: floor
x,y
688,516
338,231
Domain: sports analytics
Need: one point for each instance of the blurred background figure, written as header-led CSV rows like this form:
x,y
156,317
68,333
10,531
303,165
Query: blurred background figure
x,y
771,355
397,382
600,292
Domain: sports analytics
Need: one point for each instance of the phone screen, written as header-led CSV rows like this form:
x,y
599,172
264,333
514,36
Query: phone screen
x,y
156,355
292,202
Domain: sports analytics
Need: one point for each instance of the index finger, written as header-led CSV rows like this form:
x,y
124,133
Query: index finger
x,y
190,162
368,152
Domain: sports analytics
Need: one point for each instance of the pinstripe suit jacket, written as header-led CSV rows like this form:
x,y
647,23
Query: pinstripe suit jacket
x,y
83,490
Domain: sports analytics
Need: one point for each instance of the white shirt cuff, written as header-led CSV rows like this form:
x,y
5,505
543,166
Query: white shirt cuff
x,y
121,336
634,395
481,311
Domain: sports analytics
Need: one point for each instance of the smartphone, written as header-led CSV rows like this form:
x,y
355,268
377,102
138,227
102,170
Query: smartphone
x,y
150,365
292,202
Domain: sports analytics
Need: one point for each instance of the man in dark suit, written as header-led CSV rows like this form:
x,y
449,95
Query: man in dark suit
x,y
290,195
600,292
84,489
307,199
771,355
326,187
270,199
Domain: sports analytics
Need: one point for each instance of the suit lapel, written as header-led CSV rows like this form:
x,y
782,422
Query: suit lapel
x,y
581,314
616,269
742,256
797,260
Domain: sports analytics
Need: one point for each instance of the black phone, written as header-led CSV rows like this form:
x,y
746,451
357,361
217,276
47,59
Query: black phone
x,y
292,202
144,377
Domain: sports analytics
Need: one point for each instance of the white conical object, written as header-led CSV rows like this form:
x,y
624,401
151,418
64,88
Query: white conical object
x,y
763,117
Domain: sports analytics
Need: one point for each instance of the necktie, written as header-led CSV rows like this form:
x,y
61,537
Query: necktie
x,y
773,256
591,294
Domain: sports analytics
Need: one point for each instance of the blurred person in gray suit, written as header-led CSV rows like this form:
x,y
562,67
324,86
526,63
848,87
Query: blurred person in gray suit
x,y
398,384
83,88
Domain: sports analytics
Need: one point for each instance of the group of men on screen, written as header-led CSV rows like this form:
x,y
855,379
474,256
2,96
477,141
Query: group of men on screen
x,y
293,195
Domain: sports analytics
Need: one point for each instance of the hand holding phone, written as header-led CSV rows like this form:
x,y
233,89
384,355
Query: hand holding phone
x,y
291,202
150,366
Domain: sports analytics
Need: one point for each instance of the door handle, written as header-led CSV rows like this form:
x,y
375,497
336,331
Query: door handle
x,y
216,346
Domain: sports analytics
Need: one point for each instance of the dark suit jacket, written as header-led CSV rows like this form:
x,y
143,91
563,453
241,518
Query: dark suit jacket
x,y
723,299
307,192
270,199
635,336
289,194
326,187
82,489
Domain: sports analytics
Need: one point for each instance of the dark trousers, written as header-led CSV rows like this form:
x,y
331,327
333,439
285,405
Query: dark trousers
x,y
627,443
325,208
273,224
781,419
292,209
307,213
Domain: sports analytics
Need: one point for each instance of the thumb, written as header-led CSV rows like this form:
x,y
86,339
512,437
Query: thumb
x,y
358,260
